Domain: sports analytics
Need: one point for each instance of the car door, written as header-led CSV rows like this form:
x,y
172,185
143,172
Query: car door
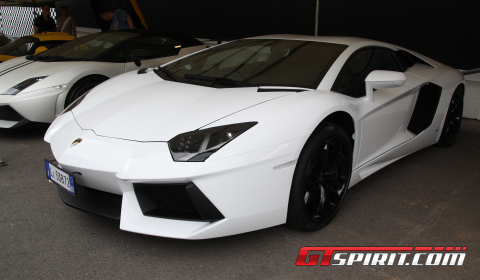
x,y
383,124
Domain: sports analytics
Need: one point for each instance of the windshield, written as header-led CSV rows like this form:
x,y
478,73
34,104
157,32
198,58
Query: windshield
x,y
20,47
92,47
257,62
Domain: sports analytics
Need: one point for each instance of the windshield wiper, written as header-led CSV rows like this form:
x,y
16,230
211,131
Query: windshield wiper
x,y
213,79
31,57
166,72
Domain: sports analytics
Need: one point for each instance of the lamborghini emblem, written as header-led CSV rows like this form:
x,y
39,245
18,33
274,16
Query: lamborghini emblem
x,y
77,141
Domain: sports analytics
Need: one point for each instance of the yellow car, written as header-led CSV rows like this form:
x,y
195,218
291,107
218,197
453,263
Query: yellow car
x,y
33,44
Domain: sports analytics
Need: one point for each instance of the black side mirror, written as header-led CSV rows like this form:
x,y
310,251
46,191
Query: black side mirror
x,y
143,54
138,55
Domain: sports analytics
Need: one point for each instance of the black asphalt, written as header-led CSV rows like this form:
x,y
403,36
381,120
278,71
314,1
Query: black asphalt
x,y
429,198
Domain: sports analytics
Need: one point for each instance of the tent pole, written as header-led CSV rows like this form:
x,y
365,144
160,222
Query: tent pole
x,y
316,19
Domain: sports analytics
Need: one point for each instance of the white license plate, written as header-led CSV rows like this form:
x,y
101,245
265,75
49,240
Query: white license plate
x,y
60,177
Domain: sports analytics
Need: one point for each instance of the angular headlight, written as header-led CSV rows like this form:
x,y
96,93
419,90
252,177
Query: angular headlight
x,y
74,103
21,86
198,145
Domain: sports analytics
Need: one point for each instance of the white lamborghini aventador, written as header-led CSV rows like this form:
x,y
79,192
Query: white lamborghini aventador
x,y
35,89
249,134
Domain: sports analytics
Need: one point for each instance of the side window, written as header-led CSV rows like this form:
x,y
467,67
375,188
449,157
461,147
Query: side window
x,y
345,83
354,70
360,65
408,60
118,56
158,46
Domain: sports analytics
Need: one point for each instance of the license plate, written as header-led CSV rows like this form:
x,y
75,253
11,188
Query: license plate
x,y
60,177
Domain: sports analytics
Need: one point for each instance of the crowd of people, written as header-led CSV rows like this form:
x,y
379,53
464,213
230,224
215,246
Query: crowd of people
x,y
118,19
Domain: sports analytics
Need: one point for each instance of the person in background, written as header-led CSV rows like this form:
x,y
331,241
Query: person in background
x,y
118,20
44,22
66,23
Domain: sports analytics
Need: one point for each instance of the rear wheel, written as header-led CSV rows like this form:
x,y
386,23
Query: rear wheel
x,y
321,178
83,86
453,120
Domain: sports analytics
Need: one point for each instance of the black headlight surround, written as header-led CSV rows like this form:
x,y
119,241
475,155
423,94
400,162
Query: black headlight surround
x,y
200,144
16,89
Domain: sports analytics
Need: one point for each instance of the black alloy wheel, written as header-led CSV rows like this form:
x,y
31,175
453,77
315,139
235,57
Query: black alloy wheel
x,y
321,178
83,86
453,120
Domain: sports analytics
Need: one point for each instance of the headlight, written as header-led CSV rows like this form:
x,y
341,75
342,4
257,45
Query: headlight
x,y
21,86
198,145
74,103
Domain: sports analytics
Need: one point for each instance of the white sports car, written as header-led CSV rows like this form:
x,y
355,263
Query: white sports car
x,y
249,134
38,88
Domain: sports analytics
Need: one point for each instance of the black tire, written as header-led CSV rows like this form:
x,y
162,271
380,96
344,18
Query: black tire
x,y
83,86
321,178
453,120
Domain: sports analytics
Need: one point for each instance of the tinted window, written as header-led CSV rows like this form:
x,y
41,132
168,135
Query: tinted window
x,y
91,47
351,80
118,56
160,46
51,44
259,62
20,47
407,59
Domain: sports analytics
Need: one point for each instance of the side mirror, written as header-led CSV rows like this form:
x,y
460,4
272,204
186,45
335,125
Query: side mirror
x,y
143,54
383,79
40,49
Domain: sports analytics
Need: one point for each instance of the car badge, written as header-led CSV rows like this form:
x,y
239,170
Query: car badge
x,y
77,141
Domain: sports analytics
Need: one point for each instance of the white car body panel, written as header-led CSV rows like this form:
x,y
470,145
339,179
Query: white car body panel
x,y
42,102
126,122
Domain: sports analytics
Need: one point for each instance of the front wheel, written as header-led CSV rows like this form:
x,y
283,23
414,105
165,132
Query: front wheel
x,y
321,178
83,86
453,120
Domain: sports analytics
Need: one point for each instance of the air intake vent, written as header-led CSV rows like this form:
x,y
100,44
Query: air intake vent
x,y
175,201
8,114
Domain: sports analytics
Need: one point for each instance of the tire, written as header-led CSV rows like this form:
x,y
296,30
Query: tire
x,y
453,120
83,86
321,178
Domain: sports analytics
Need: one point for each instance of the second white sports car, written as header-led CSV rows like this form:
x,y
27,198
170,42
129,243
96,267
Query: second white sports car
x,y
38,88
249,134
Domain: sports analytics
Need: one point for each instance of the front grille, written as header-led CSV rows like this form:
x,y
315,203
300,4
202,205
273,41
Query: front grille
x,y
8,114
101,194
167,201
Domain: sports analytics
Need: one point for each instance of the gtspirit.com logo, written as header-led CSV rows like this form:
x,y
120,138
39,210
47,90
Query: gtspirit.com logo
x,y
382,255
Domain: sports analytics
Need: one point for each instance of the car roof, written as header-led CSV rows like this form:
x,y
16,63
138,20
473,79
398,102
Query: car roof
x,y
183,39
354,42
328,39
53,36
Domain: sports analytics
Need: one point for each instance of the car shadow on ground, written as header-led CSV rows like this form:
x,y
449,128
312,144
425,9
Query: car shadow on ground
x,y
23,134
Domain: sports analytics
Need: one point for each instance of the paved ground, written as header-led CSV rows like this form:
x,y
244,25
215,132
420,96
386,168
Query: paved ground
x,y
430,198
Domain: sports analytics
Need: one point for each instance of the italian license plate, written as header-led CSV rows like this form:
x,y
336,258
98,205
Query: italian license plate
x,y
60,177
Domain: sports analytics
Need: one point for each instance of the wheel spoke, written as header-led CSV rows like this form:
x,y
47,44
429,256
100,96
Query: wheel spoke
x,y
456,104
325,156
336,164
321,204
313,188
335,185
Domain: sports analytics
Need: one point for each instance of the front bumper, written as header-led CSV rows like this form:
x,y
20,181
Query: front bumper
x,y
36,106
250,190
93,201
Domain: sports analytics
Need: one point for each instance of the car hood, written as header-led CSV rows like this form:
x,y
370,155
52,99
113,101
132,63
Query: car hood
x,y
17,70
159,110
